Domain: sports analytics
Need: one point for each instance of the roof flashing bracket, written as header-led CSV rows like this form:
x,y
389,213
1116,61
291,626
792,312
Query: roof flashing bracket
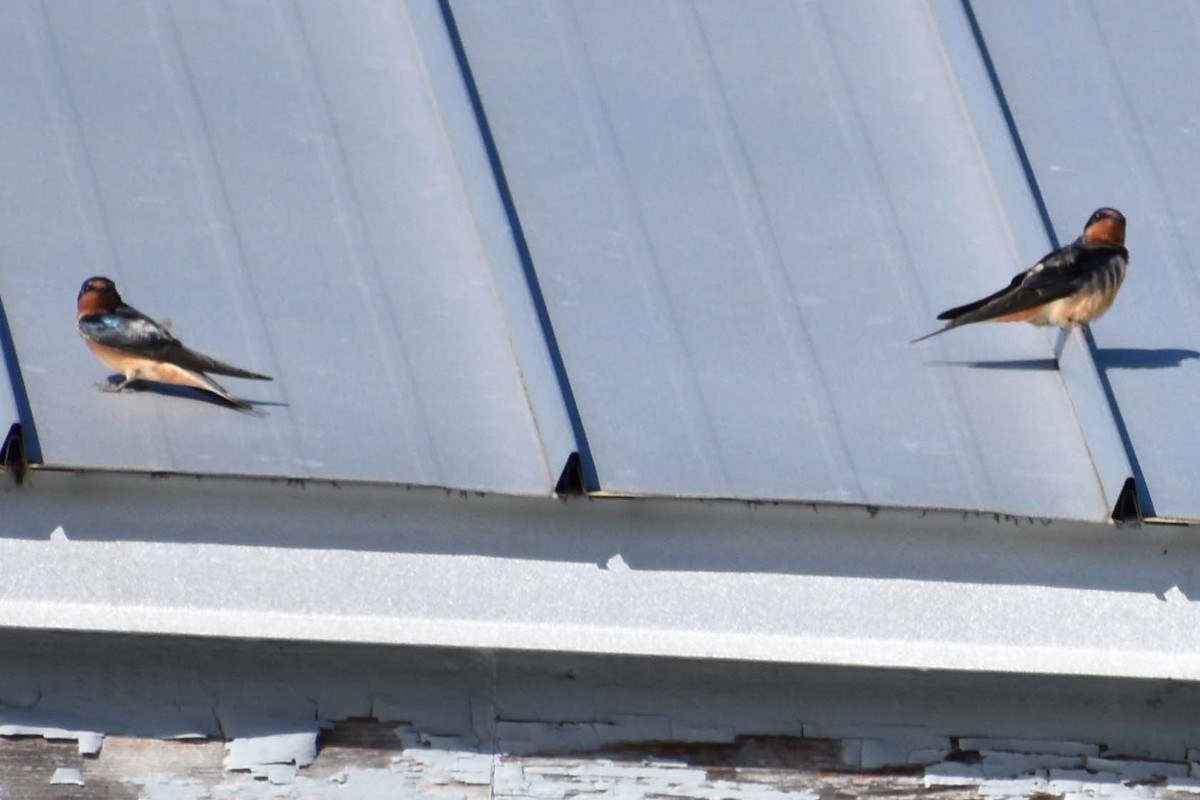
x,y
13,460
571,480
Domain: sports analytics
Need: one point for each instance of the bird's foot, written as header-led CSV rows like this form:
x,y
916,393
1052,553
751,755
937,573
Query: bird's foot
x,y
117,383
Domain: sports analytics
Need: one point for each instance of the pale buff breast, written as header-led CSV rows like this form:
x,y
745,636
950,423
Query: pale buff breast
x,y
120,361
1087,304
136,367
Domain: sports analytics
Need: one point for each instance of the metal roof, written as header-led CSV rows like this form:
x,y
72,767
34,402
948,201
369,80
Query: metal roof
x,y
278,180
740,215
690,241
1105,97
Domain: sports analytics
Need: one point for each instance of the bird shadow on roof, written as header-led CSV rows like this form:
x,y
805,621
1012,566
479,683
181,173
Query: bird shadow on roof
x,y
1031,364
1143,357
188,393
1106,357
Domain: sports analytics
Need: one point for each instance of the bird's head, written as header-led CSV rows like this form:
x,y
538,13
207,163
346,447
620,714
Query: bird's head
x,y
1105,226
97,296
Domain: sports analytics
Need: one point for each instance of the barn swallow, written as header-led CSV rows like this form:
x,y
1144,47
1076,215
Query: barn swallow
x,y
140,349
1071,286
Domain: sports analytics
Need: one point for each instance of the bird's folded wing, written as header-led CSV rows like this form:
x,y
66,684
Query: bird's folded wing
x,y
130,330
126,329
1057,275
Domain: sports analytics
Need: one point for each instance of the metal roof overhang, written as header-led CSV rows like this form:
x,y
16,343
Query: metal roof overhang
x,y
791,583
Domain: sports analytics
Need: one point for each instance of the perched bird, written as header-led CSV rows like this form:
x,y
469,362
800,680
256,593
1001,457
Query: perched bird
x,y
1071,286
140,349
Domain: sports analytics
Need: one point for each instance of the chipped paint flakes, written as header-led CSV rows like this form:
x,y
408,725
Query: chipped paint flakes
x,y
258,753
1035,775
359,784
1065,784
1006,765
444,767
89,742
1137,770
559,779
1047,746
67,775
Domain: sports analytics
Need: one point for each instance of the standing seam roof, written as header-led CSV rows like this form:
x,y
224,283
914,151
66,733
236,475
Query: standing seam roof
x,y
711,229
1105,97
277,178
739,236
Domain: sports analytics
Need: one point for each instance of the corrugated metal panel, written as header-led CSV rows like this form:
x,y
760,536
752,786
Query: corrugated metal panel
x,y
302,189
740,214
1105,96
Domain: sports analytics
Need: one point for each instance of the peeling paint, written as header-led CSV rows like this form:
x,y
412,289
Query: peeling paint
x,y
67,775
277,774
953,773
1137,770
360,764
1019,776
89,742
466,726
1007,765
555,781
469,769
257,753
1062,748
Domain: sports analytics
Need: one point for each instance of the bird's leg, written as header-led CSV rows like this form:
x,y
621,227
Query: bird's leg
x,y
119,383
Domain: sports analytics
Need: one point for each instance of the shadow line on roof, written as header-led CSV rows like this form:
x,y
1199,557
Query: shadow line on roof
x,y
33,450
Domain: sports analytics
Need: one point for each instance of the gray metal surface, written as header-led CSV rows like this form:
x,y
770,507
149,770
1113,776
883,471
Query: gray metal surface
x,y
740,215
646,576
1076,363
1105,95
302,190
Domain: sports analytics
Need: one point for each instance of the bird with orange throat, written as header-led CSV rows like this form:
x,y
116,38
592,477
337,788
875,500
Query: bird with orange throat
x,y
140,349
1071,286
